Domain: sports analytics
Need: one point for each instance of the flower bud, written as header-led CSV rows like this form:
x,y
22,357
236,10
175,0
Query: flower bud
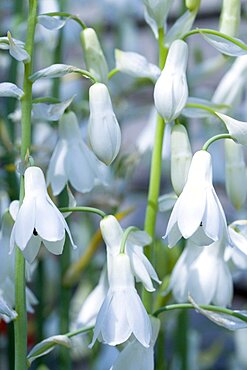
x,y
103,129
192,4
171,90
181,156
155,12
235,173
230,17
94,56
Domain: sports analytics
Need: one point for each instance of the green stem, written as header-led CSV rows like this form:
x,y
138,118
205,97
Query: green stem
x,y
155,175
215,138
20,284
67,15
113,72
216,33
79,331
83,209
125,236
189,306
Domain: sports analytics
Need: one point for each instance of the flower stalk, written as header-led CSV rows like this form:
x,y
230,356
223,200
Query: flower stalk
x,y
26,107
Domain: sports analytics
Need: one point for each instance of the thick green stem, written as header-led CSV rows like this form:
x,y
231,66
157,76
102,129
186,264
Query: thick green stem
x,y
155,175
20,284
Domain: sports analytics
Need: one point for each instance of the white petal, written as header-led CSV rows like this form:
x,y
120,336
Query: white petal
x,y
174,236
134,357
14,208
138,318
48,222
56,175
100,318
224,288
25,223
140,272
191,210
237,129
199,238
211,219
55,247
115,327
32,248
8,89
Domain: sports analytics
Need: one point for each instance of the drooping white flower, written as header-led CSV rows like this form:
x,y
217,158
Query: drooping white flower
x,y
72,160
155,13
198,213
237,129
38,219
103,129
181,156
7,273
142,269
91,306
171,89
238,234
122,312
203,274
136,357
235,173
94,56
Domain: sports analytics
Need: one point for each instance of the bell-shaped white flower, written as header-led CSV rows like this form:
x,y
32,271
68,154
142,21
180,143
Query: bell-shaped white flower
x,y
72,160
235,173
230,17
142,269
103,129
155,13
122,312
171,89
203,274
38,219
198,213
237,129
136,357
91,306
181,156
94,56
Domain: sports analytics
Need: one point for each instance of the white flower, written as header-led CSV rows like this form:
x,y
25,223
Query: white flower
x,y
238,234
38,219
235,173
197,213
93,55
122,313
155,13
135,65
203,274
72,160
171,89
142,269
181,156
103,129
237,129
136,357
91,306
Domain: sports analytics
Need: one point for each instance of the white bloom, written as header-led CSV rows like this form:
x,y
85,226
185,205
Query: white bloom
x,y
231,86
197,213
237,129
238,234
203,274
235,173
142,269
103,129
91,306
94,56
72,160
38,219
136,357
155,13
171,89
181,156
122,313
135,65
